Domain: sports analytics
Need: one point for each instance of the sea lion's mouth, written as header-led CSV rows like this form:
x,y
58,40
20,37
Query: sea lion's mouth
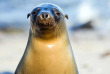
x,y
46,24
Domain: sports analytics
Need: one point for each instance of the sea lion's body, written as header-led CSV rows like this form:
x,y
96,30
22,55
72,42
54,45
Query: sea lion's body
x,y
48,53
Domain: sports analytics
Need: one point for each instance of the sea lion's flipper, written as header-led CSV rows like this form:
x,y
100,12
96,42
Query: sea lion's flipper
x,y
28,15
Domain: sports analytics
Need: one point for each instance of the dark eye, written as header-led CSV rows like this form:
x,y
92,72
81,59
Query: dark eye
x,y
57,13
35,11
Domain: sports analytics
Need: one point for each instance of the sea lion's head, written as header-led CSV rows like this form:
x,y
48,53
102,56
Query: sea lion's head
x,y
46,20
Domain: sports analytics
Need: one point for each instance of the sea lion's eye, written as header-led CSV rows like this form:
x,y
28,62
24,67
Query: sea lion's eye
x,y
35,11
57,13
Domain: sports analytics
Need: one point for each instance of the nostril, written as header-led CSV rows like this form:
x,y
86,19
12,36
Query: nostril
x,y
44,15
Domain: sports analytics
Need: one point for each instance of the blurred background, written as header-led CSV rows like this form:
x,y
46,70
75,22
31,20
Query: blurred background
x,y
88,27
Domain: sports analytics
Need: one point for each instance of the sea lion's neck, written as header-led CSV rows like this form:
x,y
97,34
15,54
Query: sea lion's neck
x,y
37,46
39,43
63,37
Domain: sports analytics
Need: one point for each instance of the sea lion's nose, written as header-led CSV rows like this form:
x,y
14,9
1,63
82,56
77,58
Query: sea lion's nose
x,y
44,15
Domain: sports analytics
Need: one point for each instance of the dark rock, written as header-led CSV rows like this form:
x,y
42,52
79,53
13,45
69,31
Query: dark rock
x,y
87,25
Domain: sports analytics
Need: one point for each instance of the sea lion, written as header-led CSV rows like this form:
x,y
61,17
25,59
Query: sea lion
x,y
48,50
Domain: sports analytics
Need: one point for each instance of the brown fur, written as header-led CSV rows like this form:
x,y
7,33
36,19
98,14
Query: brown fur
x,y
49,53
40,59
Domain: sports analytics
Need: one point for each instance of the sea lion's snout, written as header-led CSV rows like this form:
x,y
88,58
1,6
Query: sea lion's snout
x,y
44,15
45,19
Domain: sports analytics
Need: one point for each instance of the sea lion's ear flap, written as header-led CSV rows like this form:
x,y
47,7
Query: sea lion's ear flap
x,y
66,16
28,15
